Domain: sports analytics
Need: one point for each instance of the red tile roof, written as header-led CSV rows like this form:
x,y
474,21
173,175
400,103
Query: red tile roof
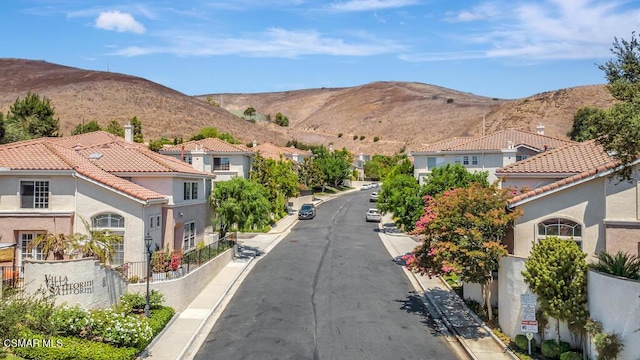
x,y
496,141
98,156
272,151
570,159
208,145
571,180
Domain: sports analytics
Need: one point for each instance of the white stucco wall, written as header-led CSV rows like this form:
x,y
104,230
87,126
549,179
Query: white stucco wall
x,y
584,203
619,313
80,281
622,199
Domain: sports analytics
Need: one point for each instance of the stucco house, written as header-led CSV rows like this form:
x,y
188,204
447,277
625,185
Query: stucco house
x,y
484,153
51,184
574,195
214,156
275,152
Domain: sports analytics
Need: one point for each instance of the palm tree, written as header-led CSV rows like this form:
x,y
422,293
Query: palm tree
x,y
621,264
99,244
56,244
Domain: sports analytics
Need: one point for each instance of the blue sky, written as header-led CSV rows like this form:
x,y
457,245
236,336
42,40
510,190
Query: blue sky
x,y
506,49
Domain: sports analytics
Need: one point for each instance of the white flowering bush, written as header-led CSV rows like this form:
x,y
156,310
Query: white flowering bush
x,y
120,329
72,320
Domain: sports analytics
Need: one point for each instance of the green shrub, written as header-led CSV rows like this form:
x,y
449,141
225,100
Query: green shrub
x,y
340,135
449,100
608,346
523,343
70,348
362,137
159,318
570,355
123,330
72,320
30,312
551,349
376,138
355,137
135,302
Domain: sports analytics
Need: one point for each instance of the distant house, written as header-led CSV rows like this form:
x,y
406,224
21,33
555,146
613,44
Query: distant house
x,y
484,153
51,184
275,152
357,164
214,156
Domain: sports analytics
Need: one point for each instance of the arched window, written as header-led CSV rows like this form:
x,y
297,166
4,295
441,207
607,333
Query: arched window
x,y
562,228
115,224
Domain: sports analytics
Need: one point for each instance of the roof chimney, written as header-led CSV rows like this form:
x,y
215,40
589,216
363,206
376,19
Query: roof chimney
x,y
509,144
255,143
540,129
128,133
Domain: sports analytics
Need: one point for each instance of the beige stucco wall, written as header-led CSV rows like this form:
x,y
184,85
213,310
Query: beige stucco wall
x,y
179,293
80,281
623,237
622,199
584,203
619,313
510,286
61,190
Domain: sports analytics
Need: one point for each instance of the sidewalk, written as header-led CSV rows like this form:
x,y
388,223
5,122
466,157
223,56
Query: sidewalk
x,y
186,332
450,313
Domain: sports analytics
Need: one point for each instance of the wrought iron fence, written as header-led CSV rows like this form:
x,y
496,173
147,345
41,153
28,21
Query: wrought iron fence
x,y
12,277
136,272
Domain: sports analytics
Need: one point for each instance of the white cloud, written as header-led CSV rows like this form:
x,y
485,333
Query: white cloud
x,y
276,42
539,30
368,5
118,21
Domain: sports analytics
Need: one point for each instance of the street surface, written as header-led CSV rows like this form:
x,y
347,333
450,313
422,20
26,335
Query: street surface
x,y
329,290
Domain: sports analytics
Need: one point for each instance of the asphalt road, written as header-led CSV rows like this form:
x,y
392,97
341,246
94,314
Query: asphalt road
x,y
329,290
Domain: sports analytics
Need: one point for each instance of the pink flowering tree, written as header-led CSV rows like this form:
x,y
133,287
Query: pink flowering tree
x,y
462,232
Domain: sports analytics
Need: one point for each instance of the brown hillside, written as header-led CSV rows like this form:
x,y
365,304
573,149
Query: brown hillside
x,y
81,95
401,114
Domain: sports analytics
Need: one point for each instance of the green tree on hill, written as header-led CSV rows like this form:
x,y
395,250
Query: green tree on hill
x,y
29,118
83,128
115,128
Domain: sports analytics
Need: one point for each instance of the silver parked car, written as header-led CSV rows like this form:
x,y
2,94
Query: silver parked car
x,y
373,215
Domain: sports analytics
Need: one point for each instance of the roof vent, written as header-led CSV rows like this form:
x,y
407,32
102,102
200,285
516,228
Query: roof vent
x,y
540,129
95,156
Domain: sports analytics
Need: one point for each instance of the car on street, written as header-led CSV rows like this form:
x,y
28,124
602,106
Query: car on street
x,y
373,197
307,211
365,187
373,215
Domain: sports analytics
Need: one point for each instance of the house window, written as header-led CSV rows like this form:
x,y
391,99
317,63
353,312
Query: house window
x,y
521,157
474,160
221,163
114,224
562,228
188,159
465,160
457,160
158,221
189,237
152,222
431,163
190,190
35,253
34,194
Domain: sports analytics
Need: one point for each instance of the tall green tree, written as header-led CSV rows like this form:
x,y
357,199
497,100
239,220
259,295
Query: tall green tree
x,y
335,165
137,130
32,117
212,132
278,178
401,195
619,130
449,177
240,203
556,271
115,128
83,128
462,232
250,112
309,174
282,120
585,123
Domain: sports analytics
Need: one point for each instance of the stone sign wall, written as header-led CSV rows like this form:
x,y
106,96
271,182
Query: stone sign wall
x,y
79,281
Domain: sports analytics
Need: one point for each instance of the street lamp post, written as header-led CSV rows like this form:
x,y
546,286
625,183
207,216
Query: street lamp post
x,y
147,242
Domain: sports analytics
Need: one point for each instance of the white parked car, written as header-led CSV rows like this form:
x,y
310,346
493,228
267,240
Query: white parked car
x,y
365,187
373,215
373,197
